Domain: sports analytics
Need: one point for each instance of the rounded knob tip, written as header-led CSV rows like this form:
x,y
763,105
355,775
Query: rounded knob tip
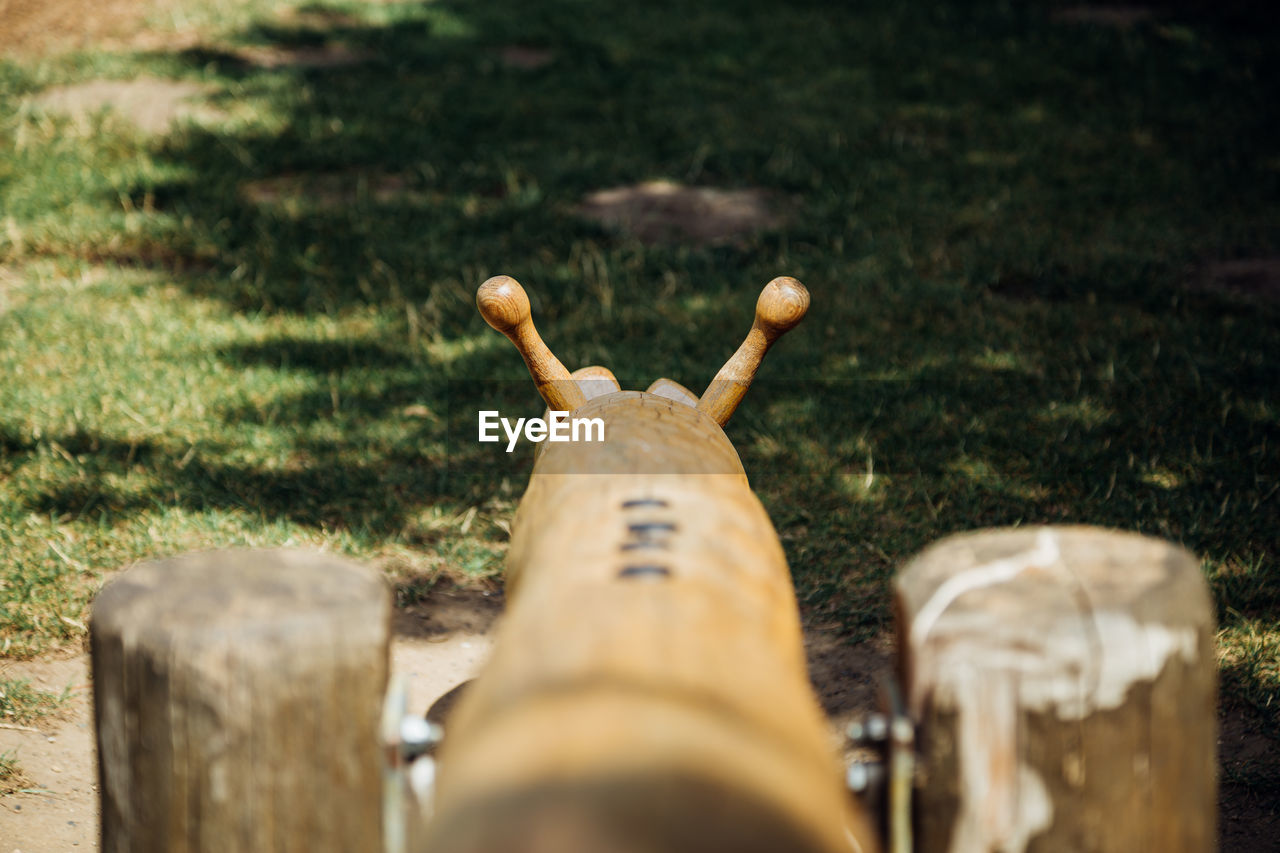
x,y
503,303
782,304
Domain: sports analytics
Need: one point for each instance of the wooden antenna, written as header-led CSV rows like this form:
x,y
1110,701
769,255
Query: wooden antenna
x,y
782,304
505,306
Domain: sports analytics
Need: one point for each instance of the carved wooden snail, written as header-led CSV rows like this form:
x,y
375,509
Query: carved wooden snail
x,y
647,689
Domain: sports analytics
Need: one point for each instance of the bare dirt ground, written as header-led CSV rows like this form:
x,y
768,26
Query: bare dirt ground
x,y
1258,277
149,103
36,26
1247,822
1119,16
57,807
665,211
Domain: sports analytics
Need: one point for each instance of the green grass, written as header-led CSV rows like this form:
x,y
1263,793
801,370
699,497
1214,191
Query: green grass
x,y
11,776
21,703
1001,220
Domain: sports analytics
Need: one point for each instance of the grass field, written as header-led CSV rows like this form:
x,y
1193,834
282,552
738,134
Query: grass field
x,y
1024,239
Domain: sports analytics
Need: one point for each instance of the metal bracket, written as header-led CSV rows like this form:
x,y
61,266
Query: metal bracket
x,y
408,766
884,783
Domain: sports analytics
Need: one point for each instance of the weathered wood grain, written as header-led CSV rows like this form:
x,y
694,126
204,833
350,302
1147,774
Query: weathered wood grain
x,y
237,697
1064,682
673,390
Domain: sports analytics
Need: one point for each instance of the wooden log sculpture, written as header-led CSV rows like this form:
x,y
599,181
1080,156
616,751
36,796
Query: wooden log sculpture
x,y
648,690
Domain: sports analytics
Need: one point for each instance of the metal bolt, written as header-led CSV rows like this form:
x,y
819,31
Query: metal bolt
x,y
874,728
422,780
418,736
863,775
903,731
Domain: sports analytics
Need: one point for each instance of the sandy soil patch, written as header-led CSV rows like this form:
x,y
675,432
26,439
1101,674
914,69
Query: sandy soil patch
x,y
1259,277
283,56
153,104
525,58
39,27
1120,17
668,212
58,810
36,26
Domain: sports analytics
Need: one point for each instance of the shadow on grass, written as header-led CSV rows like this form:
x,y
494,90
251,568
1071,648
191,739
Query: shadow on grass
x,y
996,215
335,479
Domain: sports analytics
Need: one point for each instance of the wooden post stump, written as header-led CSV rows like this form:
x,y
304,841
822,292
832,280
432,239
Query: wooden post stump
x,y
1064,681
237,697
